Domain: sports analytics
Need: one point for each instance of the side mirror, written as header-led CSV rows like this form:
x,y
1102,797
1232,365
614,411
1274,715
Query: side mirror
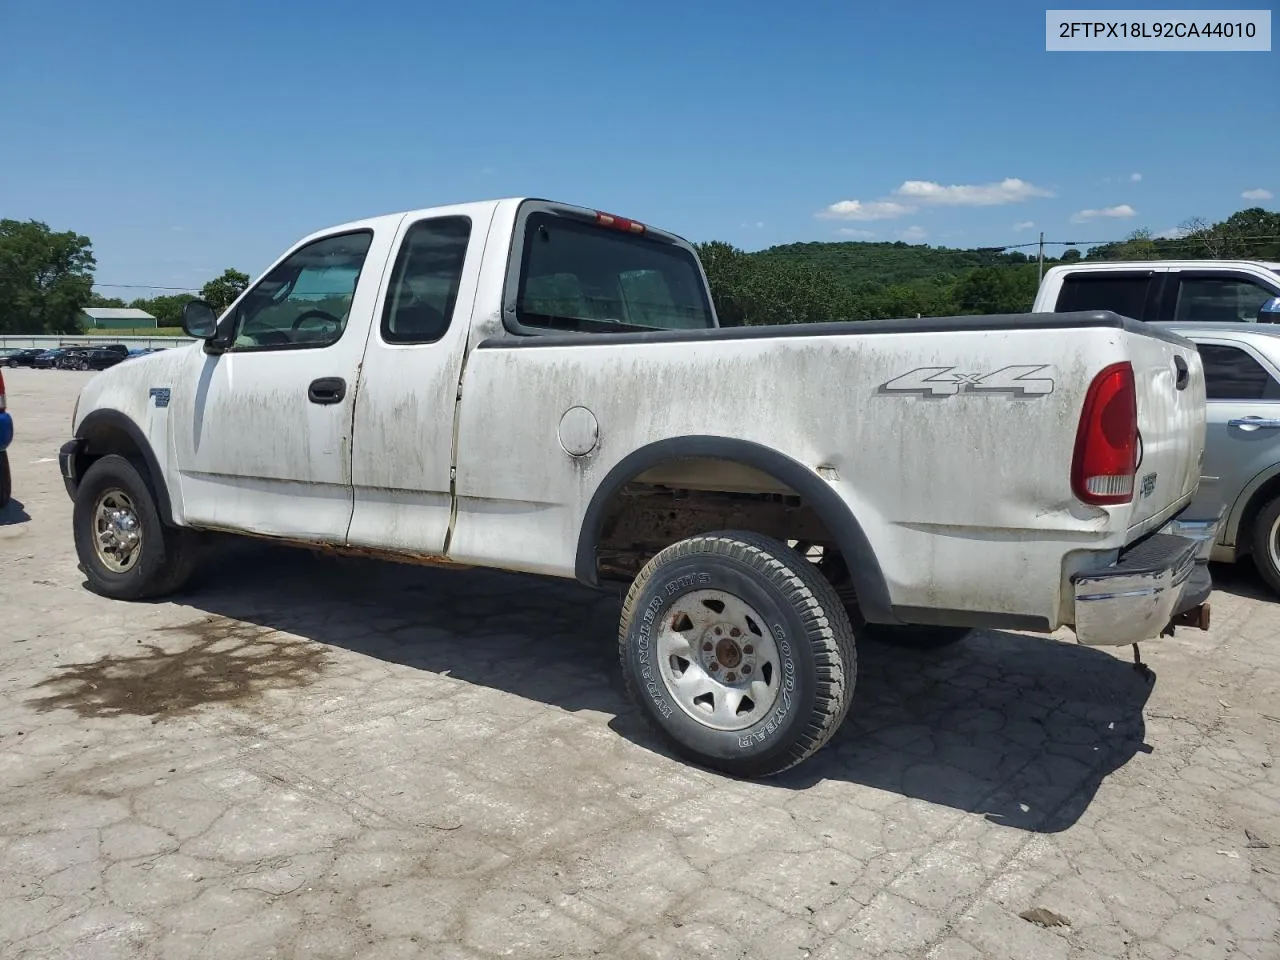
x,y
199,320
1269,312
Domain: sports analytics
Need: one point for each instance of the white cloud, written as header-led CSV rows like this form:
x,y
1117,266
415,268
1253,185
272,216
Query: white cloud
x,y
913,234
1008,190
1258,194
1173,233
872,210
1135,177
1023,225
1120,212
854,232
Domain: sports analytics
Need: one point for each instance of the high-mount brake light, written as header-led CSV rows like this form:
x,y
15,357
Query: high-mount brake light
x,y
618,223
1106,453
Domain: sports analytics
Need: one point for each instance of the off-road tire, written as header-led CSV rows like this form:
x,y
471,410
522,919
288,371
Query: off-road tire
x,y
1264,543
807,624
167,555
6,480
915,636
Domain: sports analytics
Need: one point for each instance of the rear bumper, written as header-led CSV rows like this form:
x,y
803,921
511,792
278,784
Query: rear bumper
x,y
6,430
1150,584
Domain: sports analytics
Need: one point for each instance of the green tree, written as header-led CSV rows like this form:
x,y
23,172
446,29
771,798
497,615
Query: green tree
x,y
98,300
166,309
45,278
222,291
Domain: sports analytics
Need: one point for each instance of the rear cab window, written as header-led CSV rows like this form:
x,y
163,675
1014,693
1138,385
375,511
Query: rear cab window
x,y
573,274
1124,293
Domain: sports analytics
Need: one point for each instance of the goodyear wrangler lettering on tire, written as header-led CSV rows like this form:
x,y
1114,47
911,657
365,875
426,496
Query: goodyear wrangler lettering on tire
x,y
742,649
644,643
676,586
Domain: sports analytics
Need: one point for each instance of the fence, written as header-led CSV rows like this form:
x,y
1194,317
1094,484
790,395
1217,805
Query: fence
x,y
48,342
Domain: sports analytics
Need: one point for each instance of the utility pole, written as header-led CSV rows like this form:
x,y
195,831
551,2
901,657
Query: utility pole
x,y
1041,255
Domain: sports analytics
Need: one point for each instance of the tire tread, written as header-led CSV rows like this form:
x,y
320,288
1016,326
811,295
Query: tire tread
x,y
827,629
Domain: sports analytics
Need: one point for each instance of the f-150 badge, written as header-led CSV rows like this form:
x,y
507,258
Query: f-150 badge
x,y
1016,381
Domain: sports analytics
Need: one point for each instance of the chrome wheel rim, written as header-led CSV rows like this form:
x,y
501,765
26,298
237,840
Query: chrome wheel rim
x,y
117,532
718,660
1273,544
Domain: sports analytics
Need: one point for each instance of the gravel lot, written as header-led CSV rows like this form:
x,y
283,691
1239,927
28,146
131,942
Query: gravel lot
x,y
314,758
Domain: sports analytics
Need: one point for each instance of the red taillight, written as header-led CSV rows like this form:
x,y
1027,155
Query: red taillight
x,y
1,393
618,223
1106,455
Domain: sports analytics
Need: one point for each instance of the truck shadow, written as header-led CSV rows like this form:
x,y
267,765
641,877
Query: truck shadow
x,y
1241,579
1019,729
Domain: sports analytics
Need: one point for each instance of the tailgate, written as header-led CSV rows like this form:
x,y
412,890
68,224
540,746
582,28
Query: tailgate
x,y
1169,377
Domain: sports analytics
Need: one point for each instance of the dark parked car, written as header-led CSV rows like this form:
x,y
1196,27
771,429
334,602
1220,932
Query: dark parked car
x,y
72,357
99,359
23,358
47,359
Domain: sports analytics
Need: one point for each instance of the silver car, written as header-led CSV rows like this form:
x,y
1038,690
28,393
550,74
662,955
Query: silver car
x,y
1241,470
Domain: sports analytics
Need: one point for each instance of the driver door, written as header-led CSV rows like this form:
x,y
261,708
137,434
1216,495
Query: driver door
x,y
263,431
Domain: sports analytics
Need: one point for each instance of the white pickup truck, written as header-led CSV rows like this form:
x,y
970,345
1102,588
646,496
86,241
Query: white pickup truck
x,y
540,387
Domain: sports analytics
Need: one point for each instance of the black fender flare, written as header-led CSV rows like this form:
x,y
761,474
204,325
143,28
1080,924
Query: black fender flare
x,y
114,420
864,568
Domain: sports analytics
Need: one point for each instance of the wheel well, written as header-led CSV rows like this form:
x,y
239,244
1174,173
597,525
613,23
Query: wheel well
x,y
680,488
653,511
1261,497
106,433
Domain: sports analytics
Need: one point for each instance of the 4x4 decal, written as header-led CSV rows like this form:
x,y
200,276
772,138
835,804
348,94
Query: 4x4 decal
x,y
1018,381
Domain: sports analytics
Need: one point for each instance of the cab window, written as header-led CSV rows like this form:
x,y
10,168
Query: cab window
x,y
1122,293
1219,299
578,276
305,300
1233,374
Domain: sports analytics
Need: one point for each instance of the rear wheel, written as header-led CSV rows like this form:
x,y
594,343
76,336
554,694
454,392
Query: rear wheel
x,y
738,652
1266,544
6,480
126,551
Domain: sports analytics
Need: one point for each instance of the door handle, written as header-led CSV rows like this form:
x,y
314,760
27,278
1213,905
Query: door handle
x,y
1182,374
1254,423
327,390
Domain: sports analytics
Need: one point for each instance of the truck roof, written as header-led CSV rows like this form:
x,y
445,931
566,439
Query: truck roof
x,y
479,210
1161,264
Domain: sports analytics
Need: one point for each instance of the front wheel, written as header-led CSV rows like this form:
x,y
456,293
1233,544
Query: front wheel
x,y
126,551
738,652
1266,544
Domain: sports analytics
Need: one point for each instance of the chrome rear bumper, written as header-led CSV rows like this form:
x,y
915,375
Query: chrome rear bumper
x,y
1138,597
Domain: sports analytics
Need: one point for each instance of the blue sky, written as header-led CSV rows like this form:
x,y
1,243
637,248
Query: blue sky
x,y
186,138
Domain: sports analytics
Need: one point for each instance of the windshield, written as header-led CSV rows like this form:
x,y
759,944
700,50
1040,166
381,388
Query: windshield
x,y
575,275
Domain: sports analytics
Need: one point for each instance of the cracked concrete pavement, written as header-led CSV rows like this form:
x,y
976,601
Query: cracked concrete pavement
x,y
320,758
